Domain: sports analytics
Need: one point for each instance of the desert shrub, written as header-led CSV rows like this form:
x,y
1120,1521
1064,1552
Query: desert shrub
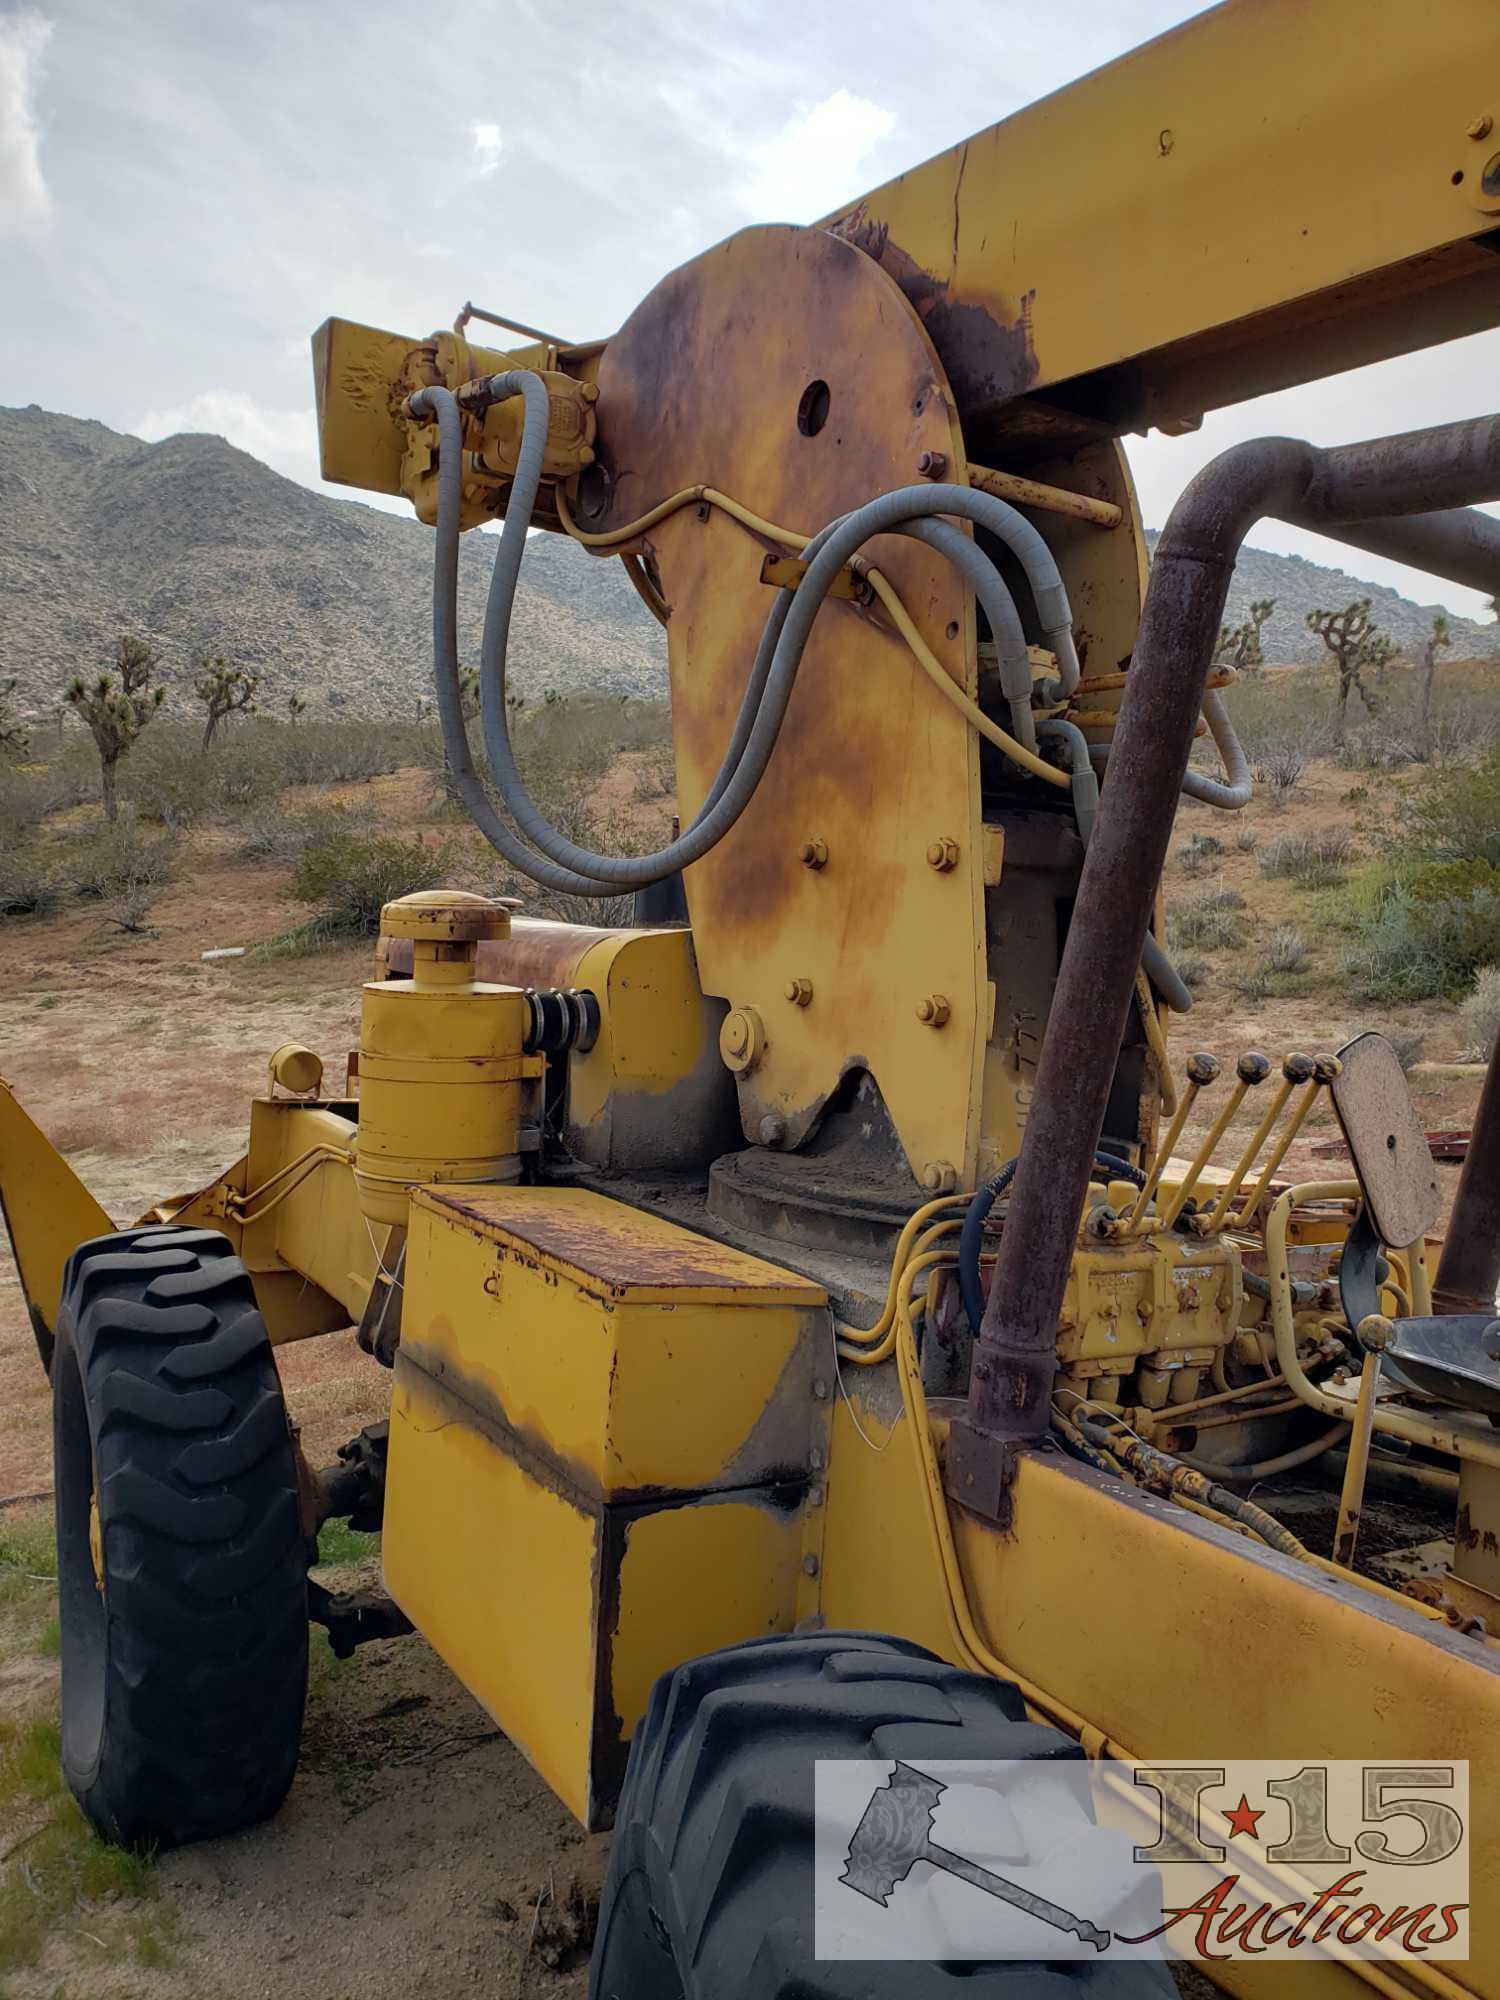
x,y
351,877
1311,860
107,861
272,833
131,909
1209,922
1192,971
1197,851
1481,1015
1285,950
170,780
1246,840
1456,817
27,887
1254,985
1430,934
1280,772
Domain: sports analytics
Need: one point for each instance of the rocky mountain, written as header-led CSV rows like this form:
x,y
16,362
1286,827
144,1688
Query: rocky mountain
x,y
198,547
1299,586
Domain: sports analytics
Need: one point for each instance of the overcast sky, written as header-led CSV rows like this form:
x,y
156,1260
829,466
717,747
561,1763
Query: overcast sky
x,y
188,187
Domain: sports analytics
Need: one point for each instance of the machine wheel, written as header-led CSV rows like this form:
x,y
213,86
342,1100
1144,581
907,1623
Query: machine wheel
x,y
181,1566
709,1888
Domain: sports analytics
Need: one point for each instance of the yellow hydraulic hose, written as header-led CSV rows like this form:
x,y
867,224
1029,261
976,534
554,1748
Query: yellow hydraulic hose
x,y
972,713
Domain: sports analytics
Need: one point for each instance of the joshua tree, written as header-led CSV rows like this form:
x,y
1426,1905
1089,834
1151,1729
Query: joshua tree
x,y
1239,645
1356,642
14,738
295,707
222,689
116,714
1440,637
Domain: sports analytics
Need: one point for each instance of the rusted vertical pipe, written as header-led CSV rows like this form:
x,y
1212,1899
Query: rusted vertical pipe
x,y
1468,1271
1015,1357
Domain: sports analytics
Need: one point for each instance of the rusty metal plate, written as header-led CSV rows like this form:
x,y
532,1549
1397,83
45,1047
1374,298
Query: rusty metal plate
x,y
786,369
1386,1140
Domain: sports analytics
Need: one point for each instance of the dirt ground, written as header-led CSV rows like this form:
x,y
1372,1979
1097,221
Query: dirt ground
x,y
417,1849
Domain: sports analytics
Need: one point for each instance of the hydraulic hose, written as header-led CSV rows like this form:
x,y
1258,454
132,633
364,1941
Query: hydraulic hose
x,y
1231,793
971,1236
440,403
1158,968
538,848
826,556
989,587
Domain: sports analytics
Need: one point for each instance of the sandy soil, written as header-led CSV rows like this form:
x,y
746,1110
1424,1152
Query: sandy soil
x,y
417,1849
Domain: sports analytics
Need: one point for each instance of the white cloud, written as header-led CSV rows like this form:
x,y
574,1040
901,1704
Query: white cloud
x,y
24,201
816,160
487,146
286,440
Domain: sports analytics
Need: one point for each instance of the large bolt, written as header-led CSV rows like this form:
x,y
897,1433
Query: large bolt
x,y
942,854
1482,126
742,1039
939,1177
813,854
799,992
933,1011
932,464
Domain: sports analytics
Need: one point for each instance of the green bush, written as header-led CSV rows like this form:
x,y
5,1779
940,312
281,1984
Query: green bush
x,y
1457,817
1481,1014
109,861
1429,936
1209,922
1311,860
351,877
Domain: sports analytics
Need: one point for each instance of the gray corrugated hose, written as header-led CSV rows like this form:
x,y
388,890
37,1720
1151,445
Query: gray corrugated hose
x,y
1158,968
559,863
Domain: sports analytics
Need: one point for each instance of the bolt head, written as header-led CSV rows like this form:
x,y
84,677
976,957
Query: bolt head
x,y
799,992
1481,127
813,853
932,464
939,1177
933,1011
942,855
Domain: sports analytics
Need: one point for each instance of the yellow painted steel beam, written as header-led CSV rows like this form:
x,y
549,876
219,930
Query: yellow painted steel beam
x,y
1271,193
48,1211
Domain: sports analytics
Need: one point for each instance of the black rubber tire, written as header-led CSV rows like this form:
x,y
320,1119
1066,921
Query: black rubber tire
x,y
184,1674
709,1889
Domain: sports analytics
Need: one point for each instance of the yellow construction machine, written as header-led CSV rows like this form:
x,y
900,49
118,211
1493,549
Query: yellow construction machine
x,y
821,1321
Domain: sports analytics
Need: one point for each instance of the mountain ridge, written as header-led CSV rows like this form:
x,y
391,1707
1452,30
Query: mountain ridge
x,y
197,547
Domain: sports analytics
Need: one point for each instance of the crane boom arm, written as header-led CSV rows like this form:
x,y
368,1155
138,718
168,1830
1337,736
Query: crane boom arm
x,y
1271,193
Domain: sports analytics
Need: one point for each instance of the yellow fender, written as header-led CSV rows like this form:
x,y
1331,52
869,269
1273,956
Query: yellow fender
x,y
48,1212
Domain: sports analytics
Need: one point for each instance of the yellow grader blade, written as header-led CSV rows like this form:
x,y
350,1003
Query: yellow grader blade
x,y
48,1212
